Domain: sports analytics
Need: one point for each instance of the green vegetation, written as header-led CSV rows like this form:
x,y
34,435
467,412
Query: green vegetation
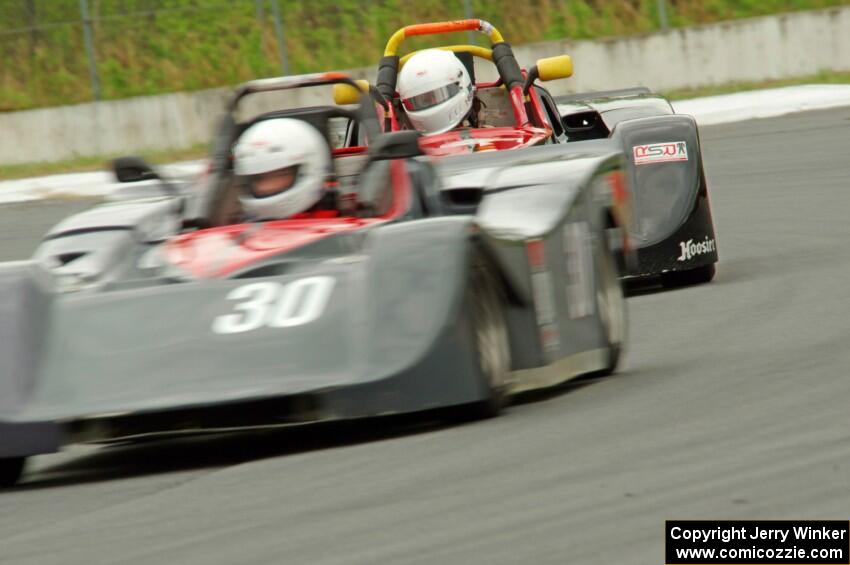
x,y
823,77
96,163
154,46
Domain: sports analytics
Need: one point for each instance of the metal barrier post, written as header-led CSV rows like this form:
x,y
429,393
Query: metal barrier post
x,y
281,40
467,14
87,35
662,14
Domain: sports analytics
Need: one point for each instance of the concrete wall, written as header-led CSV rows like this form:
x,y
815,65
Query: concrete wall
x,y
789,45
774,47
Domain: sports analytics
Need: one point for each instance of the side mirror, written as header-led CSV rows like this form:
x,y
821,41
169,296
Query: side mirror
x,y
133,169
553,68
396,145
550,68
345,94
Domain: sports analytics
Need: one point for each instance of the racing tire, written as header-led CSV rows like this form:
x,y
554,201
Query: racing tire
x,y
611,301
11,470
678,279
490,341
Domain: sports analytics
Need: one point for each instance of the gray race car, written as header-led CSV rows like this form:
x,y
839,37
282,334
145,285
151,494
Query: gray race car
x,y
671,225
663,196
455,284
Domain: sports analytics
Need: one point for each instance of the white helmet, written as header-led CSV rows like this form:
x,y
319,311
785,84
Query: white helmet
x,y
435,90
283,165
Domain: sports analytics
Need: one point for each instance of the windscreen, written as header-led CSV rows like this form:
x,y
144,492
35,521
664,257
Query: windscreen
x,y
662,197
664,159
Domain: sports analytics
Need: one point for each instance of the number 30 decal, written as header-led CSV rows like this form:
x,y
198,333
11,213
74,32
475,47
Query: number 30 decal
x,y
275,305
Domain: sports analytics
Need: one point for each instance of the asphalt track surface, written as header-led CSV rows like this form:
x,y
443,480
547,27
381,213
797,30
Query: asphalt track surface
x,y
732,404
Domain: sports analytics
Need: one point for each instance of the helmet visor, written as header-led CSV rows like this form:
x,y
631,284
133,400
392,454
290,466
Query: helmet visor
x,y
271,183
431,98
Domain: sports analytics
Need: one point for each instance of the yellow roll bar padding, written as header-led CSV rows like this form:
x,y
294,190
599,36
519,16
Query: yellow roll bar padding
x,y
477,51
347,94
553,68
442,27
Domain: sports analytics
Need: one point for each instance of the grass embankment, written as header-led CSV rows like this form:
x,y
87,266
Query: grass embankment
x,y
184,45
824,77
96,163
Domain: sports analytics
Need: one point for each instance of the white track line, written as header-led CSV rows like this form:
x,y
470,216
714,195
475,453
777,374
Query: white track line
x,y
742,106
80,185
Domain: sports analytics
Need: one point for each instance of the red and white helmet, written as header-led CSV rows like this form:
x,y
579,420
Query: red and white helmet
x,y
283,165
435,90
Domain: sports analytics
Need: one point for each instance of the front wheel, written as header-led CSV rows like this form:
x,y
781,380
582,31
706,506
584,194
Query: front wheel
x,y
612,313
490,340
10,471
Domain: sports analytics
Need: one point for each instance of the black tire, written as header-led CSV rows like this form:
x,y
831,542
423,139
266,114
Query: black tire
x,y
611,301
677,279
490,340
11,470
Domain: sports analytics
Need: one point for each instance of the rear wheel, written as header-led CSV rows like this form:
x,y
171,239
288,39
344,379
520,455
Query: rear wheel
x,y
612,312
11,470
700,275
490,339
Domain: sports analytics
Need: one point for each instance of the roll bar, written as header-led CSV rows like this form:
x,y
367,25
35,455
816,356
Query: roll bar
x,y
502,54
